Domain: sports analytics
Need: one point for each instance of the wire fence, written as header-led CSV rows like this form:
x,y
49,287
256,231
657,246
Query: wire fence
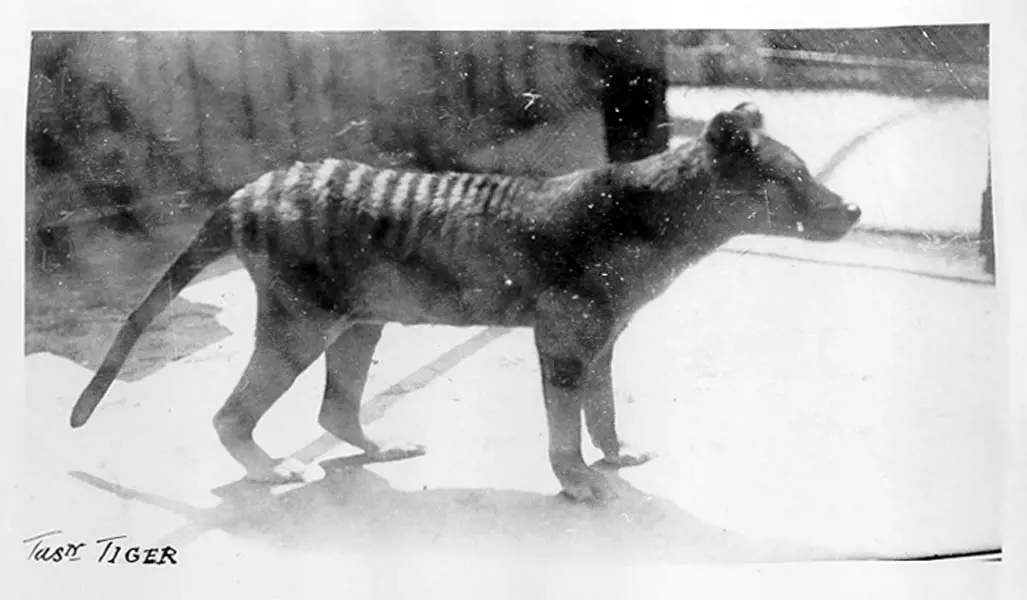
x,y
949,61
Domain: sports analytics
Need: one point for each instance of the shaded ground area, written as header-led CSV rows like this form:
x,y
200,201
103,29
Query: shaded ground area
x,y
76,312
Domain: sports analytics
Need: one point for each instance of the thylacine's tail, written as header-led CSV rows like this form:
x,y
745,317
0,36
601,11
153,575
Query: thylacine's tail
x,y
213,241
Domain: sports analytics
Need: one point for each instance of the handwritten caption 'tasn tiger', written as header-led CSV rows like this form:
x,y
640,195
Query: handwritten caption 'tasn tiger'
x,y
109,550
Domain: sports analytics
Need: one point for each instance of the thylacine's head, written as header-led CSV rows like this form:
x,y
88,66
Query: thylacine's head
x,y
736,178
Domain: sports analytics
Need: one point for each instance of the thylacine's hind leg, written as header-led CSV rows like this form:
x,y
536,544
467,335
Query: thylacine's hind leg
x,y
347,362
285,346
601,416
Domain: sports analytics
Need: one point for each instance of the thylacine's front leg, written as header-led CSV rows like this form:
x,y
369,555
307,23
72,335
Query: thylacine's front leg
x,y
571,335
347,362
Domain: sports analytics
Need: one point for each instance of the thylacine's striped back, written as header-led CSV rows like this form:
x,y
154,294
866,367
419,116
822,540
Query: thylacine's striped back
x,y
308,208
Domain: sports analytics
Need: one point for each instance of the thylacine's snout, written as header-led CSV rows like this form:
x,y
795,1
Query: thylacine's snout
x,y
831,222
852,212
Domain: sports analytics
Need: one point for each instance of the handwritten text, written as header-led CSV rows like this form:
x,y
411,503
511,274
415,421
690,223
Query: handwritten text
x,y
109,550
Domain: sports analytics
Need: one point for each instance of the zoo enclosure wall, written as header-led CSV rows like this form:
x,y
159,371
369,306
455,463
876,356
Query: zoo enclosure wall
x,y
154,113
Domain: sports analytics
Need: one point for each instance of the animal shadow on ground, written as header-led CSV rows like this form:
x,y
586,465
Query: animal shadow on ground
x,y
184,329
76,314
354,510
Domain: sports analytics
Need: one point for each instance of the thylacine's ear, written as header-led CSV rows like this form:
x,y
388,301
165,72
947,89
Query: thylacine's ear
x,y
752,114
732,132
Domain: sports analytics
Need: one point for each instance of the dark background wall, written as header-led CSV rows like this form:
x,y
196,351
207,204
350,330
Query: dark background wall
x,y
125,127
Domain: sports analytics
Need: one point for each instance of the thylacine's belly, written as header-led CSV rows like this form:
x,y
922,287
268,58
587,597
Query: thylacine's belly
x,y
407,295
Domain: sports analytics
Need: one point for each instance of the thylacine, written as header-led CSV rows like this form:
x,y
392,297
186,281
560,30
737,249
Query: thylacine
x,y
337,249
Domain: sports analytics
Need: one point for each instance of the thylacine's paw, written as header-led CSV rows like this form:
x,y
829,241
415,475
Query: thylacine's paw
x,y
381,452
586,485
286,471
627,456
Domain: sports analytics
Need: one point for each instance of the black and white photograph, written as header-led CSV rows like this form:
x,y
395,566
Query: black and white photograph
x,y
327,312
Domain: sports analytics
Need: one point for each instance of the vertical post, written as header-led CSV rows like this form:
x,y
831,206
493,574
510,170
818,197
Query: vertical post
x,y
528,60
503,93
289,66
144,91
441,96
249,113
633,94
193,74
531,106
333,81
987,235
470,73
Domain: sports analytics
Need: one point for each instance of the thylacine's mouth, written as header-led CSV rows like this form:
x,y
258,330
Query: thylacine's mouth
x,y
829,224
819,235
823,224
810,230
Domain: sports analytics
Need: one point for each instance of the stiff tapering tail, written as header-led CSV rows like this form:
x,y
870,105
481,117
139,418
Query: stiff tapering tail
x,y
213,241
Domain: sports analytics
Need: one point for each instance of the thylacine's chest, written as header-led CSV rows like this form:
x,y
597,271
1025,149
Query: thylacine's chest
x,y
628,275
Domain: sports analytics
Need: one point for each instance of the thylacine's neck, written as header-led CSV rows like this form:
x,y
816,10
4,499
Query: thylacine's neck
x,y
684,166
665,215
